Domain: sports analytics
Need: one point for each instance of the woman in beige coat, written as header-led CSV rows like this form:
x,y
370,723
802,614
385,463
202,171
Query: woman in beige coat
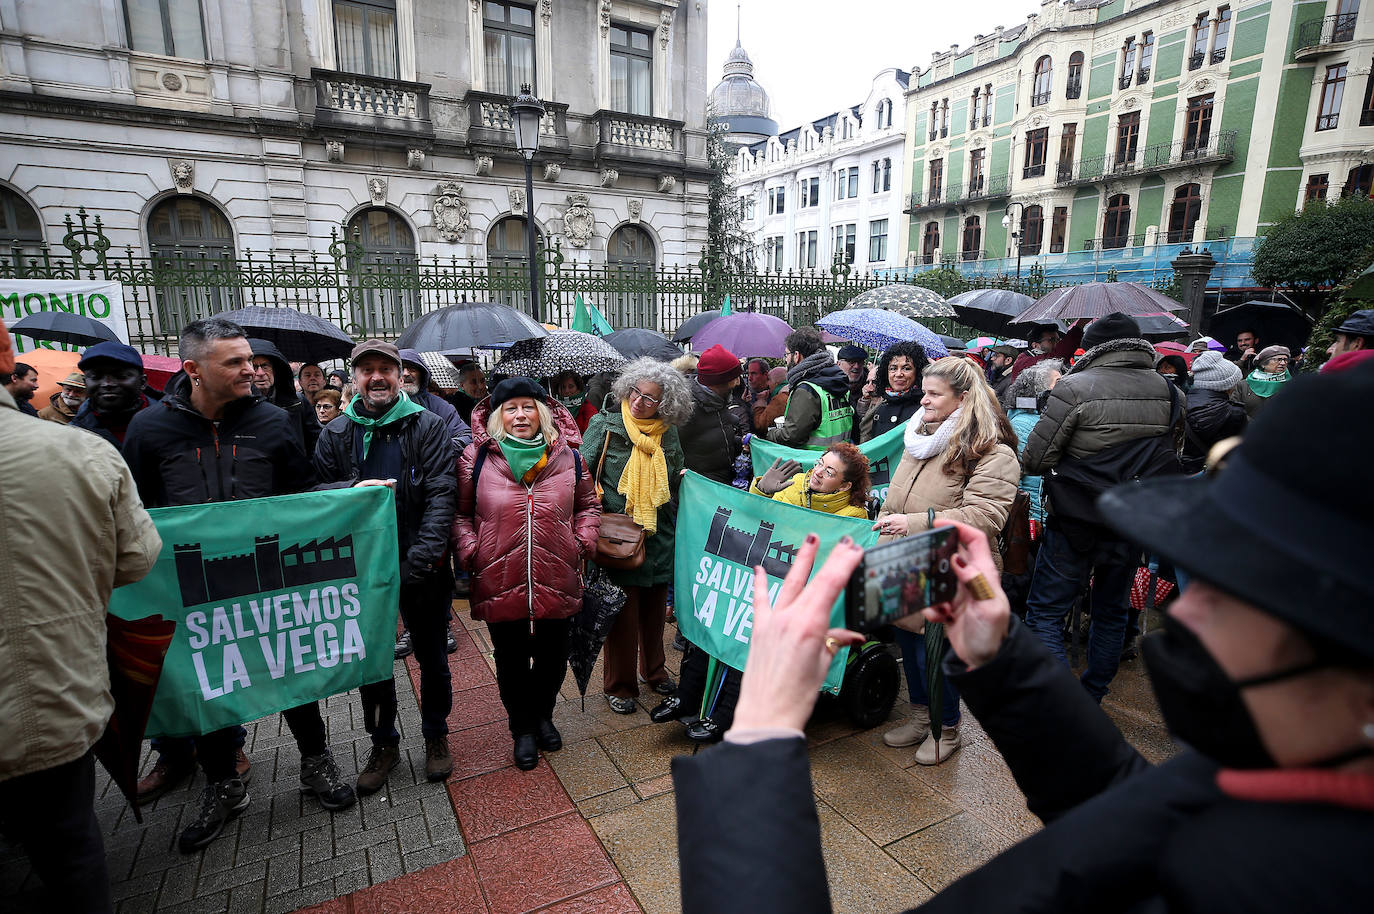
x,y
960,463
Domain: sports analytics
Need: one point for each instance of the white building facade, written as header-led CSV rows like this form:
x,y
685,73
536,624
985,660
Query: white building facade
x,y
830,189
228,126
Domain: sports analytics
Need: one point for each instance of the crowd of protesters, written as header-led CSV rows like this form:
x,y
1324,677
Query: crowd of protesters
x,y
500,493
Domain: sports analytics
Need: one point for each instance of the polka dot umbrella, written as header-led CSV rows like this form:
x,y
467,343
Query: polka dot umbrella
x,y
905,299
879,329
561,350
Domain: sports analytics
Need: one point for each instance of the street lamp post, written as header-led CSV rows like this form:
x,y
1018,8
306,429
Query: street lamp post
x,y
1015,234
526,114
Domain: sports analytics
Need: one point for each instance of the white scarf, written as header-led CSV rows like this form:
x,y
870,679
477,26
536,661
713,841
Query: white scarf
x,y
922,446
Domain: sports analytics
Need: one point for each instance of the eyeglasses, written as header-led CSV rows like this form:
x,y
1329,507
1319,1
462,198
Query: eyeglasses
x,y
827,472
637,394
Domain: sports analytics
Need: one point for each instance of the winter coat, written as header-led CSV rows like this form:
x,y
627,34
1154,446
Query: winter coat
x,y
426,490
63,548
1023,423
713,437
888,412
310,422
982,498
284,396
1212,415
1110,396
525,544
179,457
607,432
88,419
57,411
775,407
1120,836
461,402
457,426
798,493
803,405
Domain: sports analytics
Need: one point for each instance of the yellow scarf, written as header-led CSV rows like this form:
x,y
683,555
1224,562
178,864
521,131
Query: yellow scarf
x,y
645,480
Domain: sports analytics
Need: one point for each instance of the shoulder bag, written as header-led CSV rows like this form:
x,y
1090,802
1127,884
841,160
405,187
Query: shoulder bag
x,y
620,541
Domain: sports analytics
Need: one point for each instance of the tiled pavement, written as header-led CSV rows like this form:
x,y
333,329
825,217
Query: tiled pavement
x,y
595,832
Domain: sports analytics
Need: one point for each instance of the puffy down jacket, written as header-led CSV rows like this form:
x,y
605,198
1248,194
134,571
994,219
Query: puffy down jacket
x,y
525,544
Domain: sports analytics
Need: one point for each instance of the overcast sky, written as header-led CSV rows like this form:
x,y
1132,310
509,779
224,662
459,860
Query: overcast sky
x,y
817,56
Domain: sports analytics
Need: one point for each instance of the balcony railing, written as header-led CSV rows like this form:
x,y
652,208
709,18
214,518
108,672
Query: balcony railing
x,y
491,127
1195,62
1142,76
1112,242
635,138
1218,55
944,132
382,108
987,120
987,188
1124,81
1160,157
934,134
1040,98
1330,30
1033,171
1074,88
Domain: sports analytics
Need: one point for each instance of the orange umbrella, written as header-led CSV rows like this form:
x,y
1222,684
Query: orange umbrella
x,y
53,365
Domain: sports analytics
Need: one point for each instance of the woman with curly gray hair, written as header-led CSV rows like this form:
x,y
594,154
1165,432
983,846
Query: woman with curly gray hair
x,y
632,448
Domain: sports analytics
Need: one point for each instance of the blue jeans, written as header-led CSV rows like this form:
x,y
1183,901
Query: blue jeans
x,y
1061,571
914,662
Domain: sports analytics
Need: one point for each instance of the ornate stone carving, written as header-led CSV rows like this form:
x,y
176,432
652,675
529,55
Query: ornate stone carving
x,y
609,176
1129,103
376,189
605,17
517,199
183,175
415,158
450,211
552,170
1038,120
666,183
1202,85
578,220
665,28
546,11
636,208
484,164
334,150
171,81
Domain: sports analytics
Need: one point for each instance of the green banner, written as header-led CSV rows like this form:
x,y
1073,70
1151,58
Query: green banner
x,y
883,453
278,602
722,533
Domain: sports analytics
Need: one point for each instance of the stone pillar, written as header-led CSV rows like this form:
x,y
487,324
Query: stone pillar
x,y
1192,270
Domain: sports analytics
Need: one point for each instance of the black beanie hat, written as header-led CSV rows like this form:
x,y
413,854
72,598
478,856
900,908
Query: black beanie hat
x,y
511,388
1114,326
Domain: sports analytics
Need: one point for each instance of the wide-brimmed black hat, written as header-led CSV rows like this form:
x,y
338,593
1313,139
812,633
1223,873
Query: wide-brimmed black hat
x,y
1286,524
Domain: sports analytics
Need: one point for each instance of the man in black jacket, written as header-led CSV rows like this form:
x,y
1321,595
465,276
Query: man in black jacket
x,y
1265,667
116,390
1212,412
384,438
711,439
272,379
818,411
213,439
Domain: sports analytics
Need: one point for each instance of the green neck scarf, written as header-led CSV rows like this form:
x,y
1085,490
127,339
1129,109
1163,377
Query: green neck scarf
x,y
522,455
1264,383
404,406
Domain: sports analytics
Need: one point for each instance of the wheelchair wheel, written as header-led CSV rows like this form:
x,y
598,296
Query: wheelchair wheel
x,y
870,686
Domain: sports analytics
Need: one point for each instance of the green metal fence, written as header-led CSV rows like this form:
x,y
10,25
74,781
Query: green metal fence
x,y
369,296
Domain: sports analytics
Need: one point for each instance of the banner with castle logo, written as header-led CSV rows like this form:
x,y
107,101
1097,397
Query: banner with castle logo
x,y
278,602
883,453
96,299
722,533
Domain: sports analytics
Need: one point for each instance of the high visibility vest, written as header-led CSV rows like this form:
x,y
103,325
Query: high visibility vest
x,y
837,421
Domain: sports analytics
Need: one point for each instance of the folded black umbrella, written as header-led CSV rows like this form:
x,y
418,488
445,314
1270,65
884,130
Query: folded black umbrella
x,y
300,337
601,604
63,327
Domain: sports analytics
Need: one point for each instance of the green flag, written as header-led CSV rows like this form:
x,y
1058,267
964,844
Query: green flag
x,y
589,319
725,309
883,453
721,534
278,602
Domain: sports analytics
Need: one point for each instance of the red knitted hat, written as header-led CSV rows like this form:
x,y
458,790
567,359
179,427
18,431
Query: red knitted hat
x,y
717,365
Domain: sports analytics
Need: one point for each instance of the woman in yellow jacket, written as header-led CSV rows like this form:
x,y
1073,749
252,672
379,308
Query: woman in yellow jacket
x,y
837,484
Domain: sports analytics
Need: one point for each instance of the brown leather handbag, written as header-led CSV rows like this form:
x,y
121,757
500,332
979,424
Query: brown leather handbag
x,y
1015,539
620,541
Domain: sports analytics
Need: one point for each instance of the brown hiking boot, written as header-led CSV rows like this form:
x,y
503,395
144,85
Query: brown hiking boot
x,y
438,763
380,761
164,776
242,767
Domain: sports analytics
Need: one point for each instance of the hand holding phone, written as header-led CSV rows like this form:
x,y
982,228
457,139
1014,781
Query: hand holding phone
x,y
902,577
975,628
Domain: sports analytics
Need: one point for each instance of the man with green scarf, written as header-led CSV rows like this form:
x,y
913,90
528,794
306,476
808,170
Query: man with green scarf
x,y
389,440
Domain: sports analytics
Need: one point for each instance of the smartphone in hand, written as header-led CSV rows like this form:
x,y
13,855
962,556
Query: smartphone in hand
x,y
902,577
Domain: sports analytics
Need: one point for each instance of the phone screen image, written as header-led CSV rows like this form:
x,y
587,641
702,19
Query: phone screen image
x,y
902,577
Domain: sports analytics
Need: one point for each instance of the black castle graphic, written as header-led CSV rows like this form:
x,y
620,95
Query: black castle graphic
x,y
880,472
749,549
268,567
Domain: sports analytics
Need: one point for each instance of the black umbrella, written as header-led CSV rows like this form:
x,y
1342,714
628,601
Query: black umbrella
x,y
1271,321
300,337
1097,299
63,327
1159,327
470,325
634,343
601,603
989,310
692,326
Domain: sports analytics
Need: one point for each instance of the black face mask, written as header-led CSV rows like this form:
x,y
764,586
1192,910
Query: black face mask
x,y
1201,704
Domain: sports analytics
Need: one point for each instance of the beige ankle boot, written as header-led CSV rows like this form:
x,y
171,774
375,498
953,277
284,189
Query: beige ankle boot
x,y
933,751
913,731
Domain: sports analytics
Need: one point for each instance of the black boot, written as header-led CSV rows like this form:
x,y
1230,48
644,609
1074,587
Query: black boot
x,y
548,738
526,752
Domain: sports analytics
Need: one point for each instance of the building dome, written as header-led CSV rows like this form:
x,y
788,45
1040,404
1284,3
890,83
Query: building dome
x,y
739,102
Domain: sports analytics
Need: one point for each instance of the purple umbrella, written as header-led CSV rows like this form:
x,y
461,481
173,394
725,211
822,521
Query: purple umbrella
x,y
746,334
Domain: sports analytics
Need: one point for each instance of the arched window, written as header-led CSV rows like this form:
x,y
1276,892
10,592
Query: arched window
x,y
20,226
631,253
1044,77
389,268
1032,229
1074,87
1359,181
973,238
1184,213
508,261
186,236
1116,225
931,243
